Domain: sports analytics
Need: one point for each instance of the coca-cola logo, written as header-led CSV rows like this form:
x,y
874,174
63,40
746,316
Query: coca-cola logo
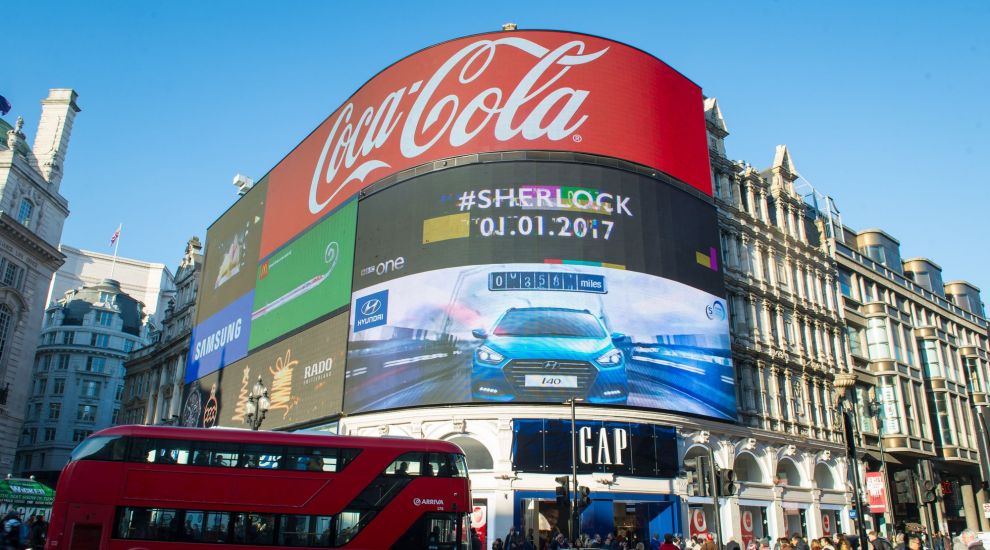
x,y
534,109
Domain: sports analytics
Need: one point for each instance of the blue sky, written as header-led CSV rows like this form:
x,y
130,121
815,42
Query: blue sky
x,y
882,104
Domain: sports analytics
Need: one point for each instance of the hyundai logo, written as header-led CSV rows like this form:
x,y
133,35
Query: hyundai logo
x,y
550,365
371,307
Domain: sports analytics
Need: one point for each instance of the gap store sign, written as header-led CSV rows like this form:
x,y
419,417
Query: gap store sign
x,y
621,448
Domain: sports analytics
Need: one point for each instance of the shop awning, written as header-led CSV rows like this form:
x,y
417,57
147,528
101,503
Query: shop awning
x,y
25,492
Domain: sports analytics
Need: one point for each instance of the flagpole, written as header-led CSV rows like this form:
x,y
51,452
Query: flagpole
x,y
116,245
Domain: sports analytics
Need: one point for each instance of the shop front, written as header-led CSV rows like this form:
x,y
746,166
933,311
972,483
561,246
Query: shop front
x,y
640,455
753,520
630,517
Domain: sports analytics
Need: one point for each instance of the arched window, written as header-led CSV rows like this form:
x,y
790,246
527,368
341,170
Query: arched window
x,y
823,477
6,317
25,211
747,469
478,457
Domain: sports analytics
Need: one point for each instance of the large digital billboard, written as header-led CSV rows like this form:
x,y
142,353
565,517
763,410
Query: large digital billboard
x,y
519,90
537,282
306,279
304,375
232,253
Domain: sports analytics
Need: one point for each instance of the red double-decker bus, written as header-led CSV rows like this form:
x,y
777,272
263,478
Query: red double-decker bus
x,y
151,488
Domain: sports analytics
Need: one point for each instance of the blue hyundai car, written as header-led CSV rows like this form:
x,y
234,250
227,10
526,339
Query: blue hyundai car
x,y
548,354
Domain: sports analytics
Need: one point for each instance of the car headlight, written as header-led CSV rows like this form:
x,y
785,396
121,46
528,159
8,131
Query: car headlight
x,y
610,358
486,354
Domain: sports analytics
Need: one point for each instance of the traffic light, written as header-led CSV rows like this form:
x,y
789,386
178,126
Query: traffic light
x,y
726,483
563,492
584,499
697,475
928,491
904,486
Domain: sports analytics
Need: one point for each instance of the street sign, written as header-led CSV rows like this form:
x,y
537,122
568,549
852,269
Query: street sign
x,y
986,509
852,513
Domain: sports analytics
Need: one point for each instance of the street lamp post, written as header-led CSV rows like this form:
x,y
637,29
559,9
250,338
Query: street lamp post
x,y
845,384
876,411
257,405
574,480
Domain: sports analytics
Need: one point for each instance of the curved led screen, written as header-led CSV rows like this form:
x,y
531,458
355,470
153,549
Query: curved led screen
x,y
538,282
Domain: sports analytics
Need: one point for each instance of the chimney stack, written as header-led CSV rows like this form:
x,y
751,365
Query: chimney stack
x,y
58,111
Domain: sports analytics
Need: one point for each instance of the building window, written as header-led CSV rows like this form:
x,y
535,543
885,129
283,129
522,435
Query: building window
x,y
115,417
25,211
54,411
40,385
6,315
79,435
945,430
58,386
119,393
876,339
128,346
876,253
49,434
67,336
100,340
930,358
11,273
90,388
86,413
63,361
106,297
95,364
104,318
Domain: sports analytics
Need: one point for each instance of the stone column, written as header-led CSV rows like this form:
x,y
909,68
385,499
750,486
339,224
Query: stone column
x,y
969,505
814,517
981,501
775,515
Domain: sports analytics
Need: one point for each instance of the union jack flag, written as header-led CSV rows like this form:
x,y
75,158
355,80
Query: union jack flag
x,y
116,235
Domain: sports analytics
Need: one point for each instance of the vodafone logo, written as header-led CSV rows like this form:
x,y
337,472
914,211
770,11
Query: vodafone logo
x,y
698,522
747,522
533,109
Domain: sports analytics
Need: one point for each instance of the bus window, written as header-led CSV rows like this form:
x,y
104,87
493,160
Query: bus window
x,y
215,527
304,531
260,456
260,528
408,464
435,531
313,459
460,465
349,522
193,526
108,447
216,454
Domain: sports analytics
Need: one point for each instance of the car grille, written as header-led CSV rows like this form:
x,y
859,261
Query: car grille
x,y
516,371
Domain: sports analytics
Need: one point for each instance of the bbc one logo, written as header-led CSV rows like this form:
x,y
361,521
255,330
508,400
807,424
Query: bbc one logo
x,y
371,311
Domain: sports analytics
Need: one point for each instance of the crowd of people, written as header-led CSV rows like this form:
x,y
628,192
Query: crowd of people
x,y
20,534
915,540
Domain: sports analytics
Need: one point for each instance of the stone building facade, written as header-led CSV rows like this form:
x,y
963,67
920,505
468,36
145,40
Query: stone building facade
x,y
155,373
78,381
919,351
32,214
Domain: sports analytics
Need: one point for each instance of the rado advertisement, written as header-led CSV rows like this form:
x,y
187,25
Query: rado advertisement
x,y
304,375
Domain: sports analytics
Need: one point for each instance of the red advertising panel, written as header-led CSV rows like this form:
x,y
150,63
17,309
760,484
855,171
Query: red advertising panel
x,y
520,90
699,524
746,522
876,490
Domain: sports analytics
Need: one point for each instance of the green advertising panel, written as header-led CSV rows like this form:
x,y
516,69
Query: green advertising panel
x,y
306,279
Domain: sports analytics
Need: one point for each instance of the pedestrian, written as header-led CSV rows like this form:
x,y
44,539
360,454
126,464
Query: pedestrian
x,y
968,538
668,542
12,531
39,532
731,544
878,542
709,543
